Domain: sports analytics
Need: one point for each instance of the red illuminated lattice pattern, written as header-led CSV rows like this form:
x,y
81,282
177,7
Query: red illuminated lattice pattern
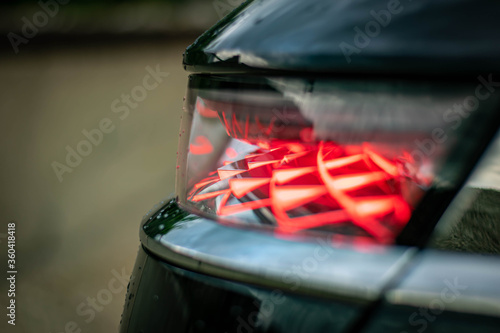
x,y
313,186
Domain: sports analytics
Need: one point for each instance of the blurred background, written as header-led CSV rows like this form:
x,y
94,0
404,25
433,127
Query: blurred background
x,y
66,69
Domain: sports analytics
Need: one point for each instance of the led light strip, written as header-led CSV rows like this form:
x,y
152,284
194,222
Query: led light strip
x,y
350,185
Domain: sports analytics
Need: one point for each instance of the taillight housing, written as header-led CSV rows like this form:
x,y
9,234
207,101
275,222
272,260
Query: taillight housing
x,y
347,157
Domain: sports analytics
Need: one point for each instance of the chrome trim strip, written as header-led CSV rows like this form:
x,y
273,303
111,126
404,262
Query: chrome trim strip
x,y
459,282
311,267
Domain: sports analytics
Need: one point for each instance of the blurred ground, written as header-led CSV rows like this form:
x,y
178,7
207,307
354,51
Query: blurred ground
x,y
72,234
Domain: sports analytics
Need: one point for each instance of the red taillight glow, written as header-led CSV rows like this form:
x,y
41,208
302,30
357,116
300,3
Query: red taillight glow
x,y
338,158
201,146
314,185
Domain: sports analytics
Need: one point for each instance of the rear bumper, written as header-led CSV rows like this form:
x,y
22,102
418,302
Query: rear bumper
x,y
166,298
195,275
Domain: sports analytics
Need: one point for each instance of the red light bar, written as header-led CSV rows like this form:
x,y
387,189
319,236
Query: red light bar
x,y
363,189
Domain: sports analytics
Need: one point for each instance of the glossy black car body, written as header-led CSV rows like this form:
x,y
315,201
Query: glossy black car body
x,y
196,275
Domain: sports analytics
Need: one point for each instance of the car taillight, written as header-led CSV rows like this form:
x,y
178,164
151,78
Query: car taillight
x,y
348,157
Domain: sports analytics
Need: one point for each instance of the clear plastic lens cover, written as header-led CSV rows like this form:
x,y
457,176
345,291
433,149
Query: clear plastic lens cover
x,y
353,158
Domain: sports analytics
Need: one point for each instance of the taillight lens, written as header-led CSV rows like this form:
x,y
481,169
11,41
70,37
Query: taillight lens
x,y
349,157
